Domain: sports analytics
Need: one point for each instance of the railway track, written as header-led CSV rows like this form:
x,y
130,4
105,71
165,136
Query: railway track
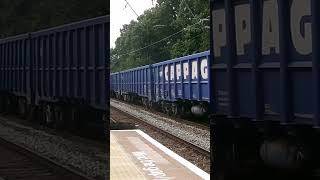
x,y
200,125
192,132
17,162
118,115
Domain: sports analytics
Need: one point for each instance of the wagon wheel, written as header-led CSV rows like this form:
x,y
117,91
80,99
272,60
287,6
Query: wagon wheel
x,y
180,110
73,119
163,107
8,105
223,158
175,108
59,118
150,105
143,102
168,109
48,115
184,110
22,107
2,104
227,146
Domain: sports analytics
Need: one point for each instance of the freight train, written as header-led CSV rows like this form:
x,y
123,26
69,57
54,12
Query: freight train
x,y
265,90
58,75
178,86
262,88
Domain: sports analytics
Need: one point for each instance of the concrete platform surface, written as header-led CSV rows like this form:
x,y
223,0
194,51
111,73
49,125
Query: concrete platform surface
x,y
136,156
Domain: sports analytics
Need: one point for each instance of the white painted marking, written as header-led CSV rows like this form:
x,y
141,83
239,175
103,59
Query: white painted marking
x,y
135,130
172,154
175,156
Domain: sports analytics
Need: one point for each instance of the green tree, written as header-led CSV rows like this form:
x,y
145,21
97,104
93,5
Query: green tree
x,y
171,29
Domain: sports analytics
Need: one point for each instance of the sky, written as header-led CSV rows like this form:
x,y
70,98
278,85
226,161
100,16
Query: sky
x,y
121,15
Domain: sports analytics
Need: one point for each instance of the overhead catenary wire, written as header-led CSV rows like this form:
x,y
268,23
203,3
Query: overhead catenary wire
x,y
165,38
196,36
161,40
131,8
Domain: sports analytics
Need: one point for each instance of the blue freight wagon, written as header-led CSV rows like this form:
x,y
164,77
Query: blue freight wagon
x,y
15,73
265,85
177,86
58,74
114,84
136,83
133,84
181,85
115,90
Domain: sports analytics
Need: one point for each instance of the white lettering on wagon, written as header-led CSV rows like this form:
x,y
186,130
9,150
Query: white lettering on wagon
x,y
243,27
172,72
185,70
270,33
150,166
301,36
194,72
176,70
166,71
300,27
160,73
204,68
219,31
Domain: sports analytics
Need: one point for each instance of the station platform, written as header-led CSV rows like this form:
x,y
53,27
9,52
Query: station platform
x,y
134,155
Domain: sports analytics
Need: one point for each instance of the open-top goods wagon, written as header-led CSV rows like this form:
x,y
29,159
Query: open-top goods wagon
x,y
264,86
58,75
136,84
181,85
177,86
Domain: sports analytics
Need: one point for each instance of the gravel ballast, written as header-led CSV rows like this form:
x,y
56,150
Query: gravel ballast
x,y
197,136
76,155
